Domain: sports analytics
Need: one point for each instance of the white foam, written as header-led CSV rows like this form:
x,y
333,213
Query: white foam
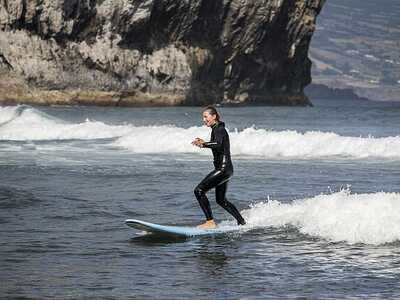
x,y
24,124
354,218
263,143
312,144
8,113
162,139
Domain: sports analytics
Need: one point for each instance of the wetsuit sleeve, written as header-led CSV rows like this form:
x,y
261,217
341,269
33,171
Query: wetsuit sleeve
x,y
217,143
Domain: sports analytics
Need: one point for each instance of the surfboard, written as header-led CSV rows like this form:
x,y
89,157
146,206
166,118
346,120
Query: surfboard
x,y
182,231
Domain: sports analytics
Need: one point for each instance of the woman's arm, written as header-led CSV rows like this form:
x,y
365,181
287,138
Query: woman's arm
x,y
216,144
218,141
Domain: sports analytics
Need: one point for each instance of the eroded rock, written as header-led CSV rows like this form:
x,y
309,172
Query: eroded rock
x,y
134,51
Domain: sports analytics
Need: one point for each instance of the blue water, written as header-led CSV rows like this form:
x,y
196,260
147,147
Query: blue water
x,y
64,198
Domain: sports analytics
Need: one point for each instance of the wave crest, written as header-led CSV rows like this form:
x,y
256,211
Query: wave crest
x,y
354,218
24,123
263,143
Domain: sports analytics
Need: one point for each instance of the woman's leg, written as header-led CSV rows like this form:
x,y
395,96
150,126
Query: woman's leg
x,y
210,181
220,196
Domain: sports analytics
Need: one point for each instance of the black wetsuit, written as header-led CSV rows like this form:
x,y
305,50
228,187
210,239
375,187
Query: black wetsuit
x,y
218,178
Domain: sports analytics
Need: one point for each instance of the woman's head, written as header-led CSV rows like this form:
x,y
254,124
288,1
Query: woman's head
x,y
210,116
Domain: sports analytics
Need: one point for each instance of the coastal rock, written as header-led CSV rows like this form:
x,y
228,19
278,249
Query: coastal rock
x,y
156,52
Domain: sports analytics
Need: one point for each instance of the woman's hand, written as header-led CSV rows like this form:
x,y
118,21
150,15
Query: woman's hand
x,y
198,142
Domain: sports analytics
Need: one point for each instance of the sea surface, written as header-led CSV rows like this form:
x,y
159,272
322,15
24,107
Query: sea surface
x,y
319,187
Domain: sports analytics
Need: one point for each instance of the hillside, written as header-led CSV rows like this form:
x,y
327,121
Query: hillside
x,y
357,46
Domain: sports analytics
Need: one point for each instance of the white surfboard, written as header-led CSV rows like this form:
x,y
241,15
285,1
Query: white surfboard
x,y
183,231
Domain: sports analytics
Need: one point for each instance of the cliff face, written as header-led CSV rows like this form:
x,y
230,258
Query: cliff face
x,y
143,52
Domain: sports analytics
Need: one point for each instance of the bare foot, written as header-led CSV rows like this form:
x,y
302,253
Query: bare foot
x,y
208,225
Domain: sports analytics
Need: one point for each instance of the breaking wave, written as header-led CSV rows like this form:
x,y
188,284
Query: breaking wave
x,y
353,218
23,123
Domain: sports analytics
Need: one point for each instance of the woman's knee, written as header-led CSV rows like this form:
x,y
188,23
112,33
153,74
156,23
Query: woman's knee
x,y
222,202
198,192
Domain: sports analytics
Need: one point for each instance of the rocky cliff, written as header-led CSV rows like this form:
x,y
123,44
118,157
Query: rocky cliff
x,y
156,52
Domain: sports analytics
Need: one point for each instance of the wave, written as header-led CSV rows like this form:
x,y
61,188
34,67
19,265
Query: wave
x,y
8,114
353,218
24,123
263,143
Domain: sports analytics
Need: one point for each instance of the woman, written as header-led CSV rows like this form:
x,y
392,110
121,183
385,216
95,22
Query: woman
x,y
218,178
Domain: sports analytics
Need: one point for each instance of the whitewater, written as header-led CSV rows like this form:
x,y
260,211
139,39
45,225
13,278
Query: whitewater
x,y
23,123
372,218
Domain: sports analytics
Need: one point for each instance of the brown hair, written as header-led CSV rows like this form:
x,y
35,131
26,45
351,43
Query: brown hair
x,y
212,111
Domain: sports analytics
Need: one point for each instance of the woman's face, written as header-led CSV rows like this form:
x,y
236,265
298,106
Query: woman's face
x,y
209,119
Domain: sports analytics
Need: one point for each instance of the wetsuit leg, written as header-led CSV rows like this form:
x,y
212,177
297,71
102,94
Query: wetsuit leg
x,y
220,192
210,181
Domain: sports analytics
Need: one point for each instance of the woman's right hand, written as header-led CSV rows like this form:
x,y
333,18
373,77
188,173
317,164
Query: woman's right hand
x,y
198,142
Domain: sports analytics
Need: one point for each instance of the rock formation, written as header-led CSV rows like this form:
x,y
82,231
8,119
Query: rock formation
x,y
156,52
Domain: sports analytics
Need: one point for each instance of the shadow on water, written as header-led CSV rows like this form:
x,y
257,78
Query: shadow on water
x,y
154,239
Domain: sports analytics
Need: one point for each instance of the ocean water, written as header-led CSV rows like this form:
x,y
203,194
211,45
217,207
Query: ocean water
x,y
318,186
